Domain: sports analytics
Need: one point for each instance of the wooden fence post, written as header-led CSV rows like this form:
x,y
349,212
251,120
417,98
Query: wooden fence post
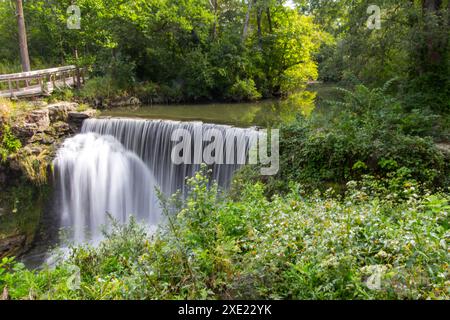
x,y
83,76
10,86
48,80
78,78
74,79
52,78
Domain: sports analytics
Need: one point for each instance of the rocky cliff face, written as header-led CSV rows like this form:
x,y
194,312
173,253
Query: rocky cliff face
x,y
23,176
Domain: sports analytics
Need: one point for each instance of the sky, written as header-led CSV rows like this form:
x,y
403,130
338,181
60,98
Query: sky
x,y
290,3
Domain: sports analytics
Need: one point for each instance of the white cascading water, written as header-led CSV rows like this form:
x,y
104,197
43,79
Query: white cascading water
x,y
151,141
113,166
96,176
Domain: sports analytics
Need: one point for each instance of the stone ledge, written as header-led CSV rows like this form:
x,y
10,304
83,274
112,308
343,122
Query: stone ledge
x,y
9,246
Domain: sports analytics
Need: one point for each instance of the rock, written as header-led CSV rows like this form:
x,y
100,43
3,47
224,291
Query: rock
x,y
81,116
61,128
133,101
444,148
38,103
24,130
76,118
98,103
60,111
38,118
5,294
11,245
42,138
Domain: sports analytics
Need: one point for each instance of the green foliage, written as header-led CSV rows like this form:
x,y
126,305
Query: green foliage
x,y
65,94
193,50
244,90
412,44
99,88
9,143
291,247
146,92
375,147
367,132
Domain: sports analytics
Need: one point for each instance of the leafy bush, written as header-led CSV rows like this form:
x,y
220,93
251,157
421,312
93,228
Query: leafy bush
x,y
243,90
9,143
361,135
171,94
147,92
292,247
61,95
100,88
197,75
122,72
35,166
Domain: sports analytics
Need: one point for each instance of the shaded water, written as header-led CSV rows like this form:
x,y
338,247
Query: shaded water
x,y
263,113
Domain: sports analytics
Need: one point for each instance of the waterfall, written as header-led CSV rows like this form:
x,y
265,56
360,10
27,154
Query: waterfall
x,y
96,176
113,166
151,141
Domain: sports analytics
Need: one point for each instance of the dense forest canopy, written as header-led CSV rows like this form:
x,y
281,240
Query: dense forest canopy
x,y
196,48
219,49
411,44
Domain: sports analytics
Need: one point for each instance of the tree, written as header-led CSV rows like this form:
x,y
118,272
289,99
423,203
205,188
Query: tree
x,y
23,43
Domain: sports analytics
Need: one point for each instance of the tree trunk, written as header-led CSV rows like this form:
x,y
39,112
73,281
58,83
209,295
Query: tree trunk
x,y
435,47
258,22
247,19
269,19
23,44
214,4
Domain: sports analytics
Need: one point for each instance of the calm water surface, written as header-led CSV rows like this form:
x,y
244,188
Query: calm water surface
x,y
261,113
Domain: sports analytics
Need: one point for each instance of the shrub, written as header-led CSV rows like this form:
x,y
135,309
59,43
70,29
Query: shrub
x,y
171,94
357,136
35,166
291,247
147,92
243,90
61,95
100,88
9,143
197,75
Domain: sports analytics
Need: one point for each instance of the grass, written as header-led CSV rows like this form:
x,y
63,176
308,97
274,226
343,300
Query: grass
x,y
12,110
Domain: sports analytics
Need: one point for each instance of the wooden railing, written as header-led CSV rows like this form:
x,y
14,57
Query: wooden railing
x,y
41,82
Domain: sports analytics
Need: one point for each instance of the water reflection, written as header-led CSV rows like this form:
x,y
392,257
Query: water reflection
x,y
263,113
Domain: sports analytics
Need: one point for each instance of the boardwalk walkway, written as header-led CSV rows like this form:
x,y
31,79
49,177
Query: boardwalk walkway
x,y
40,82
